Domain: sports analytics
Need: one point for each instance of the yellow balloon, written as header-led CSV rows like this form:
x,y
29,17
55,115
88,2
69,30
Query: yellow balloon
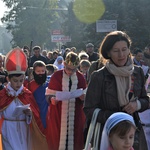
x,y
88,11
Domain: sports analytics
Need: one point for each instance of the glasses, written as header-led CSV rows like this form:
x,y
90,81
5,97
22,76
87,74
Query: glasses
x,y
71,70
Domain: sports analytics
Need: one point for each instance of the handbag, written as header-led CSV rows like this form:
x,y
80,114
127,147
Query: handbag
x,y
93,133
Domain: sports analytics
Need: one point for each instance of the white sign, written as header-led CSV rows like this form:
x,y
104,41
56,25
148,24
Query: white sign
x,y
60,38
106,25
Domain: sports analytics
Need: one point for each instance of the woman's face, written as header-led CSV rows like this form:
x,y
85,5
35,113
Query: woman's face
x,y
119,53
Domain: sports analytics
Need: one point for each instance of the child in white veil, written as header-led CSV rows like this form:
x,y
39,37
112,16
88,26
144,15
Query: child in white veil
x,y
121,125
59,62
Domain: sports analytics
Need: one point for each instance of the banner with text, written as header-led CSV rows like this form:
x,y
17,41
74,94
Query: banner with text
x,y
60,38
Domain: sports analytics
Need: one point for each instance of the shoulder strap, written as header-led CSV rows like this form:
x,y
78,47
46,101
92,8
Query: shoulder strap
x,y
97,62
91,128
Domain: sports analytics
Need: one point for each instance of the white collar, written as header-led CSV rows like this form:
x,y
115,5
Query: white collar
x,y
12,91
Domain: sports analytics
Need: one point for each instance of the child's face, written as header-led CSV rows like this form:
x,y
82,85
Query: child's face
x,y
70,69
59,61
122,142
40,70
16,82
49,72
84,69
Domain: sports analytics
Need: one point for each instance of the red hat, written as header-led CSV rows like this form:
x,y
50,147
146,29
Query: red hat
x,y
16,62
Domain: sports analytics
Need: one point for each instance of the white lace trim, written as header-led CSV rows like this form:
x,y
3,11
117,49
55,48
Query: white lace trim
x,y
67,114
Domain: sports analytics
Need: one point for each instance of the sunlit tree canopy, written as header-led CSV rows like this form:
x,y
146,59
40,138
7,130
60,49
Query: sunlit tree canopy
x,y
35,19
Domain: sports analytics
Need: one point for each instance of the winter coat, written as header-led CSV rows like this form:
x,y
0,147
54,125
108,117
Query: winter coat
x,y
102,93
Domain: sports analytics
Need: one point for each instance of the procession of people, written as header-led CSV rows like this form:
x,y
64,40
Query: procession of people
x,y
48,98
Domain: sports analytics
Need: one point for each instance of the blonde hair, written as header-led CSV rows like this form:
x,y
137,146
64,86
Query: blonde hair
x,y
83,54
72,59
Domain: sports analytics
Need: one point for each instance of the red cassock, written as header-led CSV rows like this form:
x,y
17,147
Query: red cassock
x,y
55,113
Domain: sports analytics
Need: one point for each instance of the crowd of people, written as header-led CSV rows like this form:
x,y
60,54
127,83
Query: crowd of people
x,y
47,99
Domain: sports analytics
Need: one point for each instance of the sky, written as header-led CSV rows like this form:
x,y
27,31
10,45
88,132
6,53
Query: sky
x,y
3,8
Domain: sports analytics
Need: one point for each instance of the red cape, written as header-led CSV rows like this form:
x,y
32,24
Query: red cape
x,y
26,97
32,86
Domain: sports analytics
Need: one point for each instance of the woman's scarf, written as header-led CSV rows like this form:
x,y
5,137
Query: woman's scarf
x,y
123,79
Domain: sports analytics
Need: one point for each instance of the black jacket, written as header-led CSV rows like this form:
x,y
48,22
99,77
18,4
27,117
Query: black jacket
x,y
34,58
102,93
